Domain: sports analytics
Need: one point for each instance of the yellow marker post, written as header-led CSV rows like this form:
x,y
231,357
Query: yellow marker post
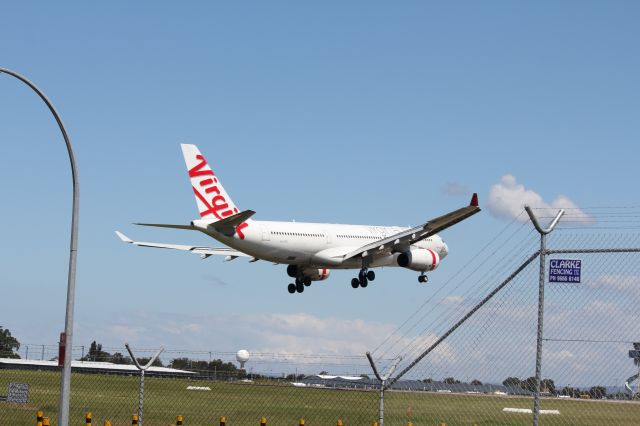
x,y
263,421
179,421
301,422
87,418
45,421
375,423
409,424
339,423
135,420
223,421
107,423
39,415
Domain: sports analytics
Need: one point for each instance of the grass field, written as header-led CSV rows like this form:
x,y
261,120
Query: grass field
x,y
116,397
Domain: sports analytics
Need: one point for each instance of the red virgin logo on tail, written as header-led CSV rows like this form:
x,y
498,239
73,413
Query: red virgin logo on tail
x,y
216,205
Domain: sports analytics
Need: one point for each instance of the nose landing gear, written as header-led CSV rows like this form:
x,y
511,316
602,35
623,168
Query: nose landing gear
x,y
422,278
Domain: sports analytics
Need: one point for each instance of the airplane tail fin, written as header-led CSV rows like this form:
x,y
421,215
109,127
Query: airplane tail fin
x,y
211,198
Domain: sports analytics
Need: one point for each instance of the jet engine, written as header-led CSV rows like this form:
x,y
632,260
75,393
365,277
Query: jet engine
x,y
316,274
419,260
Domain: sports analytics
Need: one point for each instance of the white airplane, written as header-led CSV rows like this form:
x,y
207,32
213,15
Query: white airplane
x,y
309,249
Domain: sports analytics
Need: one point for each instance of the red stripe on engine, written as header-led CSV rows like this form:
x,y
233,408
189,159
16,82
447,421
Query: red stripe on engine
x,y
434,261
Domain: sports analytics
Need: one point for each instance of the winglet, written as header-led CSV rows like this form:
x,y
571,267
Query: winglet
x,y
123,237
474,200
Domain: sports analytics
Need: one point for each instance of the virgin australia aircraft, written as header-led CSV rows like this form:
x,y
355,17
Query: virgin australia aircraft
x,y
309,249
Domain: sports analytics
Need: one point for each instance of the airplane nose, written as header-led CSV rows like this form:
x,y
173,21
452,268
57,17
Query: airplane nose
x,y
444,251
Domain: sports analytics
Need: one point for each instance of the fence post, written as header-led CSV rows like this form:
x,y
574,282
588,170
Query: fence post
x,y
383,382
142,370
541,280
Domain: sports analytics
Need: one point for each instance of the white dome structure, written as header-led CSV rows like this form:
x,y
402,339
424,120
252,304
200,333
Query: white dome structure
x,y
242,356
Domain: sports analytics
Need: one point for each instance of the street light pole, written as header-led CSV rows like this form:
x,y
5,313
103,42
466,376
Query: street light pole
x,y
65,382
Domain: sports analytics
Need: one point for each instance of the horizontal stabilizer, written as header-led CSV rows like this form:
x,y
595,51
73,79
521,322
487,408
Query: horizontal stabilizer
x,y
229,223
167,225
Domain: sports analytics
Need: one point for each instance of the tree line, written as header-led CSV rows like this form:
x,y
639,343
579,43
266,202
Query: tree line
x,y
548,386
9,345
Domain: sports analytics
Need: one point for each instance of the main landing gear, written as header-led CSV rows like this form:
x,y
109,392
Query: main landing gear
x,y
363,279
300,284
422,278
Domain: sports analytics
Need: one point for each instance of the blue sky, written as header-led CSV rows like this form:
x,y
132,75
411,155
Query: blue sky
x,y
348,112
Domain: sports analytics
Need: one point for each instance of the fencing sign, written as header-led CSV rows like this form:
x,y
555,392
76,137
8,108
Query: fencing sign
x,y
564,270
18,393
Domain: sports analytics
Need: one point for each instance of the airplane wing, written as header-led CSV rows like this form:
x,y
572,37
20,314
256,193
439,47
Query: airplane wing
x,y
402,240
204,252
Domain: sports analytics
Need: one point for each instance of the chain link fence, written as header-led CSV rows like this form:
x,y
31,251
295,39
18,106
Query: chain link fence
x,y
202,387
466,355
469,352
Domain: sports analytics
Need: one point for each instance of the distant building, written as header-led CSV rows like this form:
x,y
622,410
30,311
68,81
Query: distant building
x,y
89,367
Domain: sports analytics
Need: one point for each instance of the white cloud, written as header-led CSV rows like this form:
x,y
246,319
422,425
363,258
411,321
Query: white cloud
x,y
297,333
453,300
618,281
507,199
455,188
558,356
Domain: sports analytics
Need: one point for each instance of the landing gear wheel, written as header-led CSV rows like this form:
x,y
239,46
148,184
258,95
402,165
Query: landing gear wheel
x,y
423,278
355,283
291,288
299,287
307,281
371,275
298,281
362,278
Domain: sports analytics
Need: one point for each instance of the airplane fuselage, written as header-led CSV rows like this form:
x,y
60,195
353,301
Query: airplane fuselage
x,y
320,245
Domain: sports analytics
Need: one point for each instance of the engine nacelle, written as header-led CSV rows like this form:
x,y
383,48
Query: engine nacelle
x,y
316,274
419,260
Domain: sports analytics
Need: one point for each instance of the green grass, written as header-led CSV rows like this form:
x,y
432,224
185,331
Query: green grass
x,y
116,398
